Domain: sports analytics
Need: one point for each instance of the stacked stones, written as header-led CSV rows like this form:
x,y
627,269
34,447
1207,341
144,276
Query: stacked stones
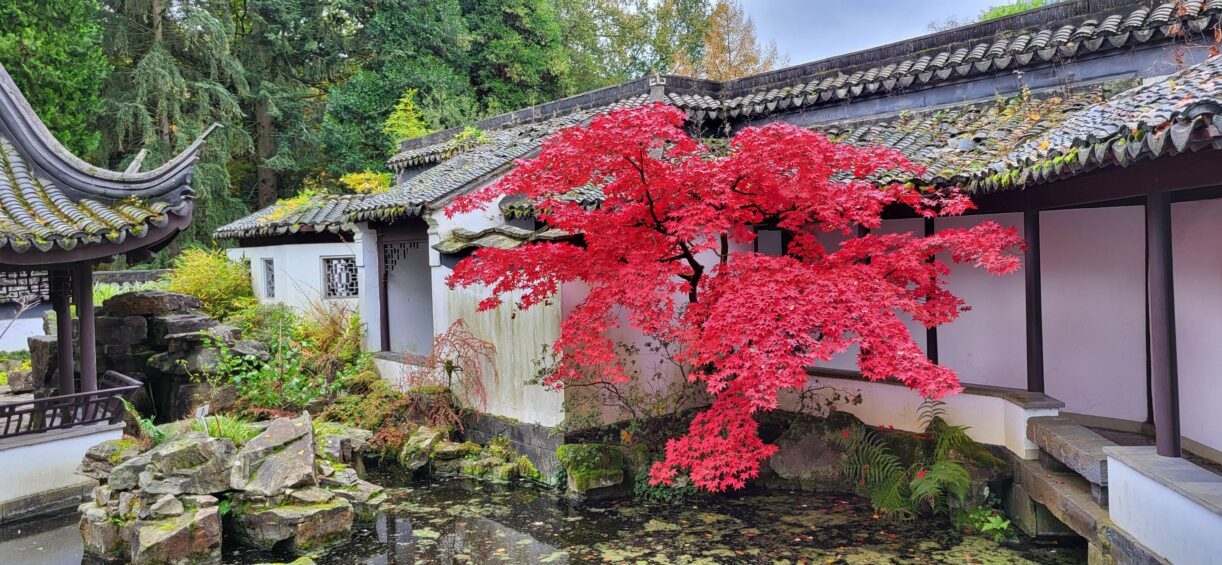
x,y
285,488
155,337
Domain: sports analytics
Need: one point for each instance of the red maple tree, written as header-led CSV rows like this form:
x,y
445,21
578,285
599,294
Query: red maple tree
x,y
668,250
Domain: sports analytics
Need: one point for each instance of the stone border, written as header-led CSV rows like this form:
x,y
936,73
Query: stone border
x,y
45,502
535,441
1198,485
1018,397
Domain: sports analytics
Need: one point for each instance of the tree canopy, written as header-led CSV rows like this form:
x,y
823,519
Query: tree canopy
x,y
668,253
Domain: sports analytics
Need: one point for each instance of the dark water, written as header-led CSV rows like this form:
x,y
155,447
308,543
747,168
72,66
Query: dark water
x,y
454,521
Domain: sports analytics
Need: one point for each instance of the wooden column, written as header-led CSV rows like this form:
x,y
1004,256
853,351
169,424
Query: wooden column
x,y
82,285
61,302
383,298
931,334
1164,379
1034,300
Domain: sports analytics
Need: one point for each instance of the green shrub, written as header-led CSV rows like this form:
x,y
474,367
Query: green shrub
x,y
279,384
936,482
105,291
265,323
208,274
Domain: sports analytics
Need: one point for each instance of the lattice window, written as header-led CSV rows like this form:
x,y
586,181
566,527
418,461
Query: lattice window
x,y
392,253
269,278
339,277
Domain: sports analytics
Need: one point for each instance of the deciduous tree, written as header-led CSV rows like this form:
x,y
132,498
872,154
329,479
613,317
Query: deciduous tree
x,y
731,49
668,250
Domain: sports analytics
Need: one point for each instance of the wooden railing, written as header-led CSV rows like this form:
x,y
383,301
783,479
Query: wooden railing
x,y
69,411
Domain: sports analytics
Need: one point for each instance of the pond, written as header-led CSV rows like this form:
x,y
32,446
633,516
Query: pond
x,y
456,521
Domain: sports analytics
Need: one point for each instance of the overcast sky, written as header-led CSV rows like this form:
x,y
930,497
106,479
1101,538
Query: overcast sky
x,y
808,30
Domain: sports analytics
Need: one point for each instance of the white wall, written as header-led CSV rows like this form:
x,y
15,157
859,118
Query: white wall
x,y
46,462
987,344
1197,256
1169,523
298,270
1094,309
409,301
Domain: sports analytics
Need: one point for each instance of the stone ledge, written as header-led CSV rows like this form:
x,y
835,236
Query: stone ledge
x,y
1067,496
1201,486
1072,444
1018,397
56,435
37,504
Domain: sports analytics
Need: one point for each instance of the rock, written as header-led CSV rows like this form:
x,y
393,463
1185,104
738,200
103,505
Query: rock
x,y
300,528
416,450
44,358
280,458
126,475
101,536
593,470
186,323
310,495
193,537
447,450
22,381
149,303
124,330
190,463
101,459
340,443
808,459
167,505
199,500
341,477
366,498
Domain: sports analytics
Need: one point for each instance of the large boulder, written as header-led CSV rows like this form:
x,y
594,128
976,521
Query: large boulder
x,y
149,303
300,526
121,330
280,458
341,444
366,498
182,323
22,381
594,471
188,463
192,536
807,460
102,536
44,358
101,459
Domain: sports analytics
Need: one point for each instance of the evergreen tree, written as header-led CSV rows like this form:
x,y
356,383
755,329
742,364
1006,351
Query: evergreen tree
x,y
517,56
175,75
53,50
290,50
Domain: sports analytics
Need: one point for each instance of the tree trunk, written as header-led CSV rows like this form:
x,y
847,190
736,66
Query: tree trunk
x,y
163,113
265,147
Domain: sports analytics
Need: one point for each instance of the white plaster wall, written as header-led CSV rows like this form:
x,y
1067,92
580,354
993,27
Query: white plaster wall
x,y
1197,256
1167,522
41,467
369,302
518,335
299,272
409,302
1094,309
987,344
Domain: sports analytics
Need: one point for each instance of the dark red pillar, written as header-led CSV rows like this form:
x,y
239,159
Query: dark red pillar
x,y
82,284
1164,378
61,297
1034,299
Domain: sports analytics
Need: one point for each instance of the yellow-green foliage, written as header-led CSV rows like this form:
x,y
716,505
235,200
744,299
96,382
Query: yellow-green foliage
x,y
221,284
367,182
405,121
105,291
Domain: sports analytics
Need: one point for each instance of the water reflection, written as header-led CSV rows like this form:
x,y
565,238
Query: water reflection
x,y
453,522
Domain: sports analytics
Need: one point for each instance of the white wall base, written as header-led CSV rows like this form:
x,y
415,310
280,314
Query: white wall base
x,y
991,418
38,466
1167,504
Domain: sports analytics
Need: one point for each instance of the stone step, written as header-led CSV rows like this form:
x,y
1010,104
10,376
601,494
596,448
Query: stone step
x,y
1067,496
1073,445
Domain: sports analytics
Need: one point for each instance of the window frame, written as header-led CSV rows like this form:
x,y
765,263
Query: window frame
x,y
269,278
325,274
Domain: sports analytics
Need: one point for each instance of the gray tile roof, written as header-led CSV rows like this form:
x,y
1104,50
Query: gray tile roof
x,y
319,213
51,200
1105,25
498,150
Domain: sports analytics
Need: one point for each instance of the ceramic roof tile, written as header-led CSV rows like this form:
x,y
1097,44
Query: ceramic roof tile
x,y
317,213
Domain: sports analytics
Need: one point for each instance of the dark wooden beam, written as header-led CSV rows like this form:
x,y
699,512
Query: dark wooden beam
x,y
1161,290
61,291
82,285
383,299
1034,300
931,334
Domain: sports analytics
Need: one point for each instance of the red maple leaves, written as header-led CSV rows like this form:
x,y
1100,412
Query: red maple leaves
x,y
669,250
